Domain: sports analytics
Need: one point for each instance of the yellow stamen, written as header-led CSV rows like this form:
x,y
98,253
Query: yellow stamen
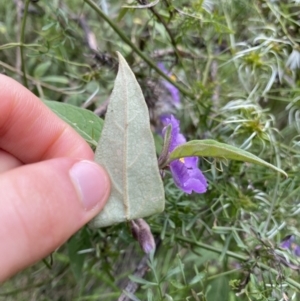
x,y
173,77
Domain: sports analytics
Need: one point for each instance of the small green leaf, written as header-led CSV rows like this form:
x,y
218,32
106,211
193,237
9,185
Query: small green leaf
x,y
41,69
86,123
211,148
131,296
140,280
126,150
48,26
177,284
56,79
122,13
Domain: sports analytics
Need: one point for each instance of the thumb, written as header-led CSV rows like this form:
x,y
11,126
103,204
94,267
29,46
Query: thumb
x,y
43,204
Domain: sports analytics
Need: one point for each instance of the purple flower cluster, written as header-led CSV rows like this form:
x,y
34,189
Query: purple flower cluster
x,y
186,174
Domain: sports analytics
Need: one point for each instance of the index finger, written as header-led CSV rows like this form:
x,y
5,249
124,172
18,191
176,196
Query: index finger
x,y
30,131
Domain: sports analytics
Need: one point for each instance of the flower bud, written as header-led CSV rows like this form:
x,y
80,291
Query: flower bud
x,y
142,233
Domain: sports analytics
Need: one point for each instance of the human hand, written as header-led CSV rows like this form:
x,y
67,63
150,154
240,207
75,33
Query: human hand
x,y
49,187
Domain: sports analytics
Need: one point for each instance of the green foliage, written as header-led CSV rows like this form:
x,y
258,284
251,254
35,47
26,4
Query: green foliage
x,y
76,244
86,123
215,149
236,63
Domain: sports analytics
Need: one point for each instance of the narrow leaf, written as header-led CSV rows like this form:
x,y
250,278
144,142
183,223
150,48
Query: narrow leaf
x,y
126,150
131,296
219,290
140,280
122,13
86,123
211,148
41,69
57,79
76,243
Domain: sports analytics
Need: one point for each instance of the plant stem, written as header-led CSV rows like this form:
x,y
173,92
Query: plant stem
x,y
232,41
123,36
275,193
223,274
22,40
173,42
237,256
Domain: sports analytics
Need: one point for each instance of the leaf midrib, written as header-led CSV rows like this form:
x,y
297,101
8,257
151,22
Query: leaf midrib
x,y
125,178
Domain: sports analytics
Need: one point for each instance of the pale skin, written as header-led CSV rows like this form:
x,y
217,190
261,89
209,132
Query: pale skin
x,y
47,192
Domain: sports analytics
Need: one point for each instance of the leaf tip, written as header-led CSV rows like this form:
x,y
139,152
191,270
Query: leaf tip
x,y
120,57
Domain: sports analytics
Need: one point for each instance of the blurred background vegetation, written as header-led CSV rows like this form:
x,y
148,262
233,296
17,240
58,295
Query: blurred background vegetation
x,y
236,64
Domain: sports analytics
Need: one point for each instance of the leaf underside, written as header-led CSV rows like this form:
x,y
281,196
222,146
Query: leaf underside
x,y
212,148
126,150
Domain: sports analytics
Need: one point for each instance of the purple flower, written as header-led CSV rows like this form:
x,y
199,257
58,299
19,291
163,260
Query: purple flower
x,y
172,89
297,250
186,174
288,243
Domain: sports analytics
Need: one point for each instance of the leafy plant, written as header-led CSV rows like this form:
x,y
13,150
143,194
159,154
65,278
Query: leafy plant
x,y
234,65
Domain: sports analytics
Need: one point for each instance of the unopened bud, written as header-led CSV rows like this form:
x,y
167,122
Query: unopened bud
x,y
142,233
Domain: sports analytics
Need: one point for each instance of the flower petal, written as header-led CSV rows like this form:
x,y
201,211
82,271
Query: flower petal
x,y
188,179
297,250
287,242
191,162
176,137
186,174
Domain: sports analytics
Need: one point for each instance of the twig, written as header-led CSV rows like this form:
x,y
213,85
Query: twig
x,y
101,110
165,52
19,6
124,37
90,39
22,38
34,80
214,75
162,21
140,272
91,42
89,35
142,6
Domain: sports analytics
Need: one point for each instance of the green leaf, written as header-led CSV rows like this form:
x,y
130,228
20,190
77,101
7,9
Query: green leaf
x,y
48,26
56,79
211,148
41,69
126,150
76,243
122,13
219,290
85,122
131,296
141,280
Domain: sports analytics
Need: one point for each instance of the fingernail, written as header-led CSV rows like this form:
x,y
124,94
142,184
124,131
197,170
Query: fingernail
x,y
91,183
